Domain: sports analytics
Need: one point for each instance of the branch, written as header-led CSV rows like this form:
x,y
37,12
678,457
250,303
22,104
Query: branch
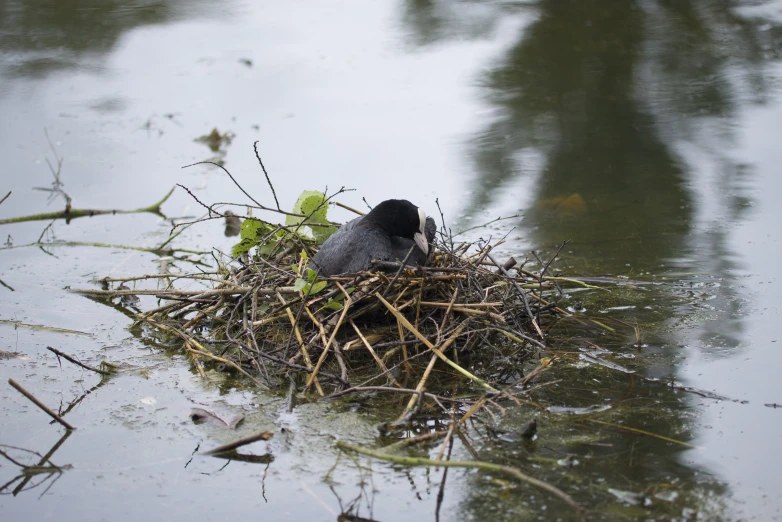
x,y
487,466
269,181
41,405
73,213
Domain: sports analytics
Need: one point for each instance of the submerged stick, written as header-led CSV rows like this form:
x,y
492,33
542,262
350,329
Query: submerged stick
x,y
264,435
77,363
643,432
17,324
41,405
230,363
74,213
486,466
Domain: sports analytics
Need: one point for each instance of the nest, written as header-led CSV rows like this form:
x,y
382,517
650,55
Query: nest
x,y
272,318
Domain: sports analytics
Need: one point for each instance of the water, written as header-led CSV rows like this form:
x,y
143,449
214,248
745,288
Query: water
x,y
644,131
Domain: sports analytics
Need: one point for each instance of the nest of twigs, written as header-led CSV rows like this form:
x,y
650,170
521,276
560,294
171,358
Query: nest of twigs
x,y
271,318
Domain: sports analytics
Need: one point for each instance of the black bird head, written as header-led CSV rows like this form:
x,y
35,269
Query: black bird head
x,y
399,217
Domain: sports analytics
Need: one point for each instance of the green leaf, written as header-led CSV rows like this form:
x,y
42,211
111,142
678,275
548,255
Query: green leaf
x,y
301,284
312,204
252,232
332,305
317,287
248,233
335,303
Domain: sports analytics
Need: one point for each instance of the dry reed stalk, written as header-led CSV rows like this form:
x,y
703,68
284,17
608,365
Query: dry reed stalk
x,y
369,348
437,352
345,308
422,382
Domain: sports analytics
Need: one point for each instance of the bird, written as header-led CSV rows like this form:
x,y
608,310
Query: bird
x,y
386,233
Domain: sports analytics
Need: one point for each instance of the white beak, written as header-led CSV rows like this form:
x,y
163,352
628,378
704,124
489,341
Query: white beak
x,y
420,240
420,236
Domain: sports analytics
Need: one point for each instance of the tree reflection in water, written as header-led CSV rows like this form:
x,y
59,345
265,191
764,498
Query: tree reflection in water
x,y
610,99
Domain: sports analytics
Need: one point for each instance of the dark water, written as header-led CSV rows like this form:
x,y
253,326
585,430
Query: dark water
x,y
647,132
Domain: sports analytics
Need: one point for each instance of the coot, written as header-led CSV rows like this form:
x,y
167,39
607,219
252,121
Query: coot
x,y
385,234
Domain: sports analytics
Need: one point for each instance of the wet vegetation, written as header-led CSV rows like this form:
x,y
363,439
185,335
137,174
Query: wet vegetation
x,y
559,380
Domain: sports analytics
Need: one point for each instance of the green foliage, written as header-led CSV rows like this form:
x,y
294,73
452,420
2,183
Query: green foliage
x,y
336,302
252,233
312,203
304,285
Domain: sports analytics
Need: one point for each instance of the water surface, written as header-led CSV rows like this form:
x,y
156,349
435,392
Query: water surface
x,y
645,132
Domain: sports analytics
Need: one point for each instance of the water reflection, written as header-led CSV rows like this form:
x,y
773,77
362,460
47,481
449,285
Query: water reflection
x,y
42,37
600,89
616,116
430,21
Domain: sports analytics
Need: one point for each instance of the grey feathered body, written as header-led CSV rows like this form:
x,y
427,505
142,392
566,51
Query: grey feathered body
x,y
355,244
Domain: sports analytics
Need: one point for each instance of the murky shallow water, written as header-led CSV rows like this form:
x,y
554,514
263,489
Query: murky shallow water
x,y
646,132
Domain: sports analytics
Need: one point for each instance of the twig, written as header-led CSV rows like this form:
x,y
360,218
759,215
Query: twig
x,y
229,363
537,371
264,435
323,355
485,224
402,265
486,466
401,318
77,363
169,294
521,292
41,405
302,344
232,179
510,263
152,250
545,267
17,324
643,432
416,392
72,213
441,489
369,347
337,203
269,181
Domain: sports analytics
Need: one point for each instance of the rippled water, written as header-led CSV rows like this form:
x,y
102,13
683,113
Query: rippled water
x,y
646,132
